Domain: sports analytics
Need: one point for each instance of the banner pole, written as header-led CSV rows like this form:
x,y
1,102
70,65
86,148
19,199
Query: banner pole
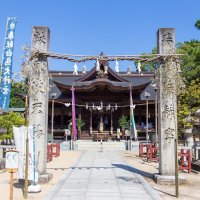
x,y
11,185
27,150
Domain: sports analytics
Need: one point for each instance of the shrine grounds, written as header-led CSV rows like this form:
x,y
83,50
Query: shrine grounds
x,y
58,167
190,191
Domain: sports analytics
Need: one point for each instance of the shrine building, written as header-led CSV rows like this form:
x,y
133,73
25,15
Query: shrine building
x,y
102,96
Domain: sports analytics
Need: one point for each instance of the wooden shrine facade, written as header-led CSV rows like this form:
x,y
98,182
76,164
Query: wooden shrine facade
x,y
102,96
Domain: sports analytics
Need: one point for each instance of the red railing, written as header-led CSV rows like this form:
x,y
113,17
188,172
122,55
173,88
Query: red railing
x,y
185,160
55,149
49,153
152,153
143,149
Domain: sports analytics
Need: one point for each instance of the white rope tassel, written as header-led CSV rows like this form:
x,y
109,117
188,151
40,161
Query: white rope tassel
x,y
117,66
97,65
139,67
75,72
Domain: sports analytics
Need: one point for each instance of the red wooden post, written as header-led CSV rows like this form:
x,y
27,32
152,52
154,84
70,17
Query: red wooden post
x,y
189,161
140,149
182,157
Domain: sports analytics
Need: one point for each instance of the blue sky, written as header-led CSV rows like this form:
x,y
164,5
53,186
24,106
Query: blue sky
x,y
91,26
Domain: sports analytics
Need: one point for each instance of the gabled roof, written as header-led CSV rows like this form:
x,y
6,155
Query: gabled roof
x,y
104,78
112,85
93,74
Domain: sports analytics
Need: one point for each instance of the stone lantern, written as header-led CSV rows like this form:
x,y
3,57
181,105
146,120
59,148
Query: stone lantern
x,y
189,133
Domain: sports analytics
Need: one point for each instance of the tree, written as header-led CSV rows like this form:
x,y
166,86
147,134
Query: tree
x,y
188,103
189,98
20,80
79,123
15,100
7,121
123,122
148,66
190,64
197,24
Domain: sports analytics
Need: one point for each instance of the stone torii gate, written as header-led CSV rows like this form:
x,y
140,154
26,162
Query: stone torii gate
x,y
167,120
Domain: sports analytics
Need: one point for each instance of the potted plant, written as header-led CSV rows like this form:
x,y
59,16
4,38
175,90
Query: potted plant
x,y
79,123
123,123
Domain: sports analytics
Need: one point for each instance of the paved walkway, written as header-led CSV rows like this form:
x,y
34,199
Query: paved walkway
x,y
102,175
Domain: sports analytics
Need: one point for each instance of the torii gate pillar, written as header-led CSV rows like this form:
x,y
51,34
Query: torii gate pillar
x,y
167,107
39,94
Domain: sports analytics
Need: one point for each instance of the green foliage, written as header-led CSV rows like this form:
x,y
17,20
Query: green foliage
x,y
189,98
190,64
80,123
197,24
148,66
123,122
188,103
16,101
7,121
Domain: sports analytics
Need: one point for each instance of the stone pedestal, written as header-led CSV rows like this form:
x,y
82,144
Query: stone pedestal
x,y
167,106
168,180
39,94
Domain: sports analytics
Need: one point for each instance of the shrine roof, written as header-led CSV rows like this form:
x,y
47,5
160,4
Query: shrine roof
x,y
67,78
63,80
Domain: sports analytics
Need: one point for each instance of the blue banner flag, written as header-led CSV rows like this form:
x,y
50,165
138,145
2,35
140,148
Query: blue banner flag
x,y
6,69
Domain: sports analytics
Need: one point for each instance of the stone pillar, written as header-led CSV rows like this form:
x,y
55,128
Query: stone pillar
x,y
39,93
167,107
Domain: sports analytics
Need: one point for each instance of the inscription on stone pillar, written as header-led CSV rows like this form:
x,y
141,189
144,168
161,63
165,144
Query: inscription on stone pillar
x,y
167,107
39,92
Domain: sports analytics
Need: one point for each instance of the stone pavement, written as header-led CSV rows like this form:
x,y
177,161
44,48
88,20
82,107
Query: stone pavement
x,y
102,175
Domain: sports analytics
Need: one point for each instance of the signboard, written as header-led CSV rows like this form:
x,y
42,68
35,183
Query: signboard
x,y
6,69
20,143
12,160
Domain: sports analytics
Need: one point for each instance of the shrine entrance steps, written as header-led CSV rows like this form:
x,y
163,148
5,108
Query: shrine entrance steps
x,y
93,145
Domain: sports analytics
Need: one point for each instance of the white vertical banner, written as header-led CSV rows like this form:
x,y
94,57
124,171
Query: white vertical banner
x,y
20,143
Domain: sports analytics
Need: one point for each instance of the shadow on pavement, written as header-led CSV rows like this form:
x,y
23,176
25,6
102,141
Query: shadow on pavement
x,y
143,173
134,170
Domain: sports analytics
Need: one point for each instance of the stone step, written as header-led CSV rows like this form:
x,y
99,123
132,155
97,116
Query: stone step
x,y
87,145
